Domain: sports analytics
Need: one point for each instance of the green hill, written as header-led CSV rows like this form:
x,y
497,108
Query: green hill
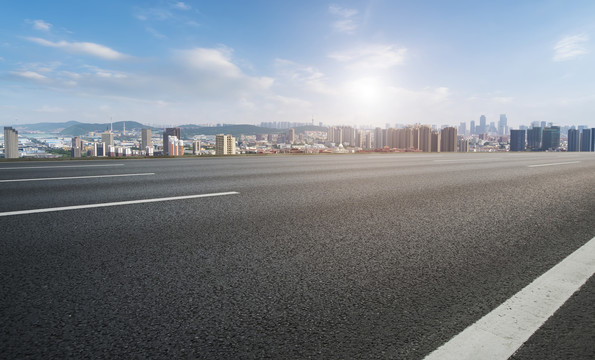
x,y
81,129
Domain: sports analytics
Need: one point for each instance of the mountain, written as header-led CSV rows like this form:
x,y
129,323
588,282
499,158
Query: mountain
x,y
81,128
189,131
47,126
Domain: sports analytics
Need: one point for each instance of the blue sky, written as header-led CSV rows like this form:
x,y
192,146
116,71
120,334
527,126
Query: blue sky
x,y
347,62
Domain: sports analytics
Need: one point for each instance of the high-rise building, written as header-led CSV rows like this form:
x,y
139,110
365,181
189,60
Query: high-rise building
x,y
587,139
502,125
291,136
551,138
574,140
482,125
368,144
535,138
448,139
196,147
463,128
463,145
175,146
11,143
146,141
517,140
472,128
76,147
225,145
166,134
425,138
107,138
378,138
436,142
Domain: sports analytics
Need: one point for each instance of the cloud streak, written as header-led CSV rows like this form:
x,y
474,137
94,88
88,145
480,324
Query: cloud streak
x,y
87,48
374,56
570,47
41,25
345,23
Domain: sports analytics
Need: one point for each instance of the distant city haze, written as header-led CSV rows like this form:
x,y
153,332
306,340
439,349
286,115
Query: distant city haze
x,y
356,63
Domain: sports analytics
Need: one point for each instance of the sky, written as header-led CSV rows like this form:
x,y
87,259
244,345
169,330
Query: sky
x,y
357,63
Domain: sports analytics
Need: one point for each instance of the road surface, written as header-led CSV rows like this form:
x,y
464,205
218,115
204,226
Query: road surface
x,y
330,256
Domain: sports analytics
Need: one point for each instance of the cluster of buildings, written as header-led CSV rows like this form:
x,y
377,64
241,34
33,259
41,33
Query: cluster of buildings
x,y
483,137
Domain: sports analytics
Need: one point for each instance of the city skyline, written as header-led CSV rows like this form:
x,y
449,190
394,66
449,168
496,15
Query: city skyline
x,y
351,62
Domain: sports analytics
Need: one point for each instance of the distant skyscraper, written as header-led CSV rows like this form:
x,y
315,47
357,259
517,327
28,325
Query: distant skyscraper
x,y
175,146
448,139
502,124
534,138
11,143
551,138
587,139
225,145
368,144
517,140
146,141
574,140
425,138
482,125
107,138
472,128
76,147
166,134
436,141
463,128
291,136
378,138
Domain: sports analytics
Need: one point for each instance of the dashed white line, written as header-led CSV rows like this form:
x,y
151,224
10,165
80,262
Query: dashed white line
x,y
119,203
74,177
554,164
501,332
56,166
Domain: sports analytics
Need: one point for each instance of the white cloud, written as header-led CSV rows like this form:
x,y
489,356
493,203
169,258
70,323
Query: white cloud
x,y
30,75
346,23
181,6
87,48
155,33
377,56
41,25
302,75
570,47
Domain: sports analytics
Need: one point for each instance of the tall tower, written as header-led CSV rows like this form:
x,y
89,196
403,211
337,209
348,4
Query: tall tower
x,y
166,134
146,140
448,139
574,140
502,124
425,138
76,147
517,140
482,125
11,143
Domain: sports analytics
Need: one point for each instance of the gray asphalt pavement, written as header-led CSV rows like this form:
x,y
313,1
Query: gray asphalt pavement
x,y
338,256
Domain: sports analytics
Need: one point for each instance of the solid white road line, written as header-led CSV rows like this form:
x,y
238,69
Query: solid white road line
x,y
501,332
54,167
75,177
76,207
553,164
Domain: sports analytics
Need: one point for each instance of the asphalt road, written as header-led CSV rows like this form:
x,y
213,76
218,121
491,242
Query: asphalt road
x,y
338,256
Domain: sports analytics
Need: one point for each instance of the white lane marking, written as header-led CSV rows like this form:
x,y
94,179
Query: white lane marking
x,y
75,177
553,164
501,332
55,166
76,207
